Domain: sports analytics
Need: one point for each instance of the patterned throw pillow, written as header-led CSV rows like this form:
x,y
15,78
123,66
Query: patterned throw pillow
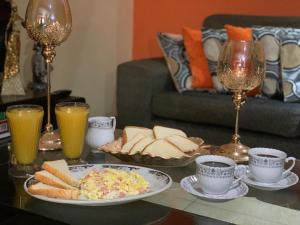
x,y
213,40
270,40
174,52
290,61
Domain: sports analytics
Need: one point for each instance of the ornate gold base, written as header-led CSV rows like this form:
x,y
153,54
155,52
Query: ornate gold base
x,y
50,140
237,151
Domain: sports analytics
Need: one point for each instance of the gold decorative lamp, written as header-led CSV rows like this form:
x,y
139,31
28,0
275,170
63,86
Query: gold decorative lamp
x,y
241,68
48,22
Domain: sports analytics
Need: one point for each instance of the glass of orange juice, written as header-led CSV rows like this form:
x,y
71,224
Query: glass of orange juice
x,y
72,123
24,123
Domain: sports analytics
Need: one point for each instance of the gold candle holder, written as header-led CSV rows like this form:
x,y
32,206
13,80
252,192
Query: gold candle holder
x,y
241,68
48,22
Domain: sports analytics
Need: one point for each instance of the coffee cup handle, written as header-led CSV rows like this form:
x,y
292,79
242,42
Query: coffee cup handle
x,y
240,169
291,167
114,122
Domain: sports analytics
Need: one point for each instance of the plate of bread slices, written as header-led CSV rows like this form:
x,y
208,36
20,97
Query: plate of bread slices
x,y
95,184
160,146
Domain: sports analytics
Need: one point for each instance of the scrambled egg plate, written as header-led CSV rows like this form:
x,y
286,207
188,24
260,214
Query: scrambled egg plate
x,y
112,183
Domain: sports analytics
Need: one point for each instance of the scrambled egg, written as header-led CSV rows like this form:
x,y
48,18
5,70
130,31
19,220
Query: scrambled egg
x,y
112,183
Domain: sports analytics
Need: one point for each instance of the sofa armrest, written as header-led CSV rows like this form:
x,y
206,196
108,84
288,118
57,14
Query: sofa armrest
x,y
137,82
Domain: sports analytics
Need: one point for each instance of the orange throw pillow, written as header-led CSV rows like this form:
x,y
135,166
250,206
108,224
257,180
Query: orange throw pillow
x,y
238,33
241,34
201,77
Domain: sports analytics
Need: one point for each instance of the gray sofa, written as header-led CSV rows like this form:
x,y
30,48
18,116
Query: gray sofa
x,y
146,96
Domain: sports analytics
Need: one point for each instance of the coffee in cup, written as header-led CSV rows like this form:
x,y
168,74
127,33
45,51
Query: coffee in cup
x,y
215,174
266,165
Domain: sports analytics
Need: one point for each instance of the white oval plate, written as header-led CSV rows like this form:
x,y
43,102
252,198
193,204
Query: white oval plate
x,y
158,182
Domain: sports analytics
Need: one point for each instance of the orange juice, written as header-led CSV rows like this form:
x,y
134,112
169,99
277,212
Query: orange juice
x,y
72,123
25,123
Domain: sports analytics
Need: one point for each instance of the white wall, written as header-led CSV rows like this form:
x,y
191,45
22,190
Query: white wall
x,y
86,63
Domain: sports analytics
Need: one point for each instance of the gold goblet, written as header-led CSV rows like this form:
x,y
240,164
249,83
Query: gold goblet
x,y
48,22
241,68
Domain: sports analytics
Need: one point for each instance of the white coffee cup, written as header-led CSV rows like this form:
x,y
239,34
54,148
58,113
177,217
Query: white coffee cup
x,y
216,174
100,131
266,165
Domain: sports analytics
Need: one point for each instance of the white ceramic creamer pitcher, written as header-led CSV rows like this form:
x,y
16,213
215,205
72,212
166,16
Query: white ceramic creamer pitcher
x,y
100,131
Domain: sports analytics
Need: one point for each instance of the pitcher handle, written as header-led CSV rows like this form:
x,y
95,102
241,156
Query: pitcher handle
x,y
291,167
114,122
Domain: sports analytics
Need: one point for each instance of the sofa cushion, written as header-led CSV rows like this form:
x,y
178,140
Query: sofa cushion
x,y
269,39
198,62
290,61
212,40
236,33
269,116
175,55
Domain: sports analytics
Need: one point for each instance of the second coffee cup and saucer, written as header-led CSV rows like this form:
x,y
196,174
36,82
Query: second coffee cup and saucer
x,y
266,170
214,180
286,182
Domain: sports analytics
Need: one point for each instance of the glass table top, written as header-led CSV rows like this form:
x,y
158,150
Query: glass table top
x,y
174,206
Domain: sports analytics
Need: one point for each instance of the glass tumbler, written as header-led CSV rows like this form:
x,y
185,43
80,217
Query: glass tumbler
x,y
25,123
72,123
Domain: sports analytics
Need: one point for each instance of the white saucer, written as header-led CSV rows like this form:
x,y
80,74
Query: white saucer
x,y
289,180
190,185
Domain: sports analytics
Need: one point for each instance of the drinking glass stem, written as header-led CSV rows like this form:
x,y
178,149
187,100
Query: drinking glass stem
x,y
238,99
48,96
49,54
236,136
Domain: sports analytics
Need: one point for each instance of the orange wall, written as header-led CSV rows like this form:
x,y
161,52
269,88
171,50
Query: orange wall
x,y
151,16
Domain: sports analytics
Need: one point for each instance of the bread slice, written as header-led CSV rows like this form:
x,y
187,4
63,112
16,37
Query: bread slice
x,y
126,148
59,168
163,149
140,145
53,192
130,132
163,132
184,144
48,178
